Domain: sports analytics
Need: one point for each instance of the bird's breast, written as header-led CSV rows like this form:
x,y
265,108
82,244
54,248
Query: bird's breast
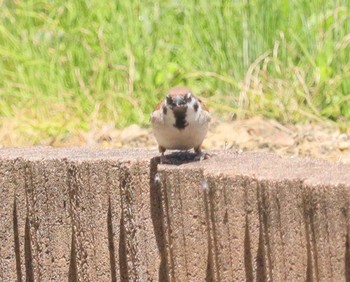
x,y
180,130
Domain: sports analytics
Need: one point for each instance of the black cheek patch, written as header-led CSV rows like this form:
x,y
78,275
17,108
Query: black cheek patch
x,y
165,110
195,107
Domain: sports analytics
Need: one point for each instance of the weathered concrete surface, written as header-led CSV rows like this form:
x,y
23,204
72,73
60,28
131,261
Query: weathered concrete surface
x,y
117,215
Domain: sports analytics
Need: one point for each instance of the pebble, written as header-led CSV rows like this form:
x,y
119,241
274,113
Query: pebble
x,y
344,145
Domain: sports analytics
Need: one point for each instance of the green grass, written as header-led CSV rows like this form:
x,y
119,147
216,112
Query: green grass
x,y
66,64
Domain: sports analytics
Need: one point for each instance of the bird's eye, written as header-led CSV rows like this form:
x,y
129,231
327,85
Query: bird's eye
x,y
169,100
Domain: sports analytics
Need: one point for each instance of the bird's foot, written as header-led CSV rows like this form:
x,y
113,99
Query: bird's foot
x,y
202,156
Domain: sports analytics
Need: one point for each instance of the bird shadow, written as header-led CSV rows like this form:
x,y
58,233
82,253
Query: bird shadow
x,y
178,158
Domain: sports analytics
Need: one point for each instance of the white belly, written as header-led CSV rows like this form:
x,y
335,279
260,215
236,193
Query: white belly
x,y
170,137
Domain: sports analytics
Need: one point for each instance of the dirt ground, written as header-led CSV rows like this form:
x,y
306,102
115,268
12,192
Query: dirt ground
x,y
255,134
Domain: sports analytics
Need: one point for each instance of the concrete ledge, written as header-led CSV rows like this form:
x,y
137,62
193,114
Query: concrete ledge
x,y
117,215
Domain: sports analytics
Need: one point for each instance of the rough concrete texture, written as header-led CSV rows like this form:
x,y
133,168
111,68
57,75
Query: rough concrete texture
x,y
118,215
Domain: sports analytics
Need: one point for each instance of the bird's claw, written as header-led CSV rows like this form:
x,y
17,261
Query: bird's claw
x,y
202,156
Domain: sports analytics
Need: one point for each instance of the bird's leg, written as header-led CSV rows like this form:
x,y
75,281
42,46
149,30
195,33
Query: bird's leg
x,y
162,157
200,156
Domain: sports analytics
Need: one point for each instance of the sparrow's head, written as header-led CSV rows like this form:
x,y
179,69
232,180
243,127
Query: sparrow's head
x,y
180,104
179,98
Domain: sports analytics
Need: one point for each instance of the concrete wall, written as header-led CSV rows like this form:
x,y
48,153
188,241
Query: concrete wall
x,y
117,215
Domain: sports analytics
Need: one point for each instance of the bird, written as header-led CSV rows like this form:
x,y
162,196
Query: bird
x,y
180,121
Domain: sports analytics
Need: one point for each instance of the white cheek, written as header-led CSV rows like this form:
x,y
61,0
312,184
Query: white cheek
x,y
191,113
157,116
168,118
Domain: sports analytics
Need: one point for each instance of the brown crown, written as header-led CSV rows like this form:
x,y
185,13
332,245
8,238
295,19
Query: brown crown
x,y
179,90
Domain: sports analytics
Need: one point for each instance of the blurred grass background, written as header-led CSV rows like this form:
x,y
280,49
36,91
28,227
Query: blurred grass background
x,y
66,64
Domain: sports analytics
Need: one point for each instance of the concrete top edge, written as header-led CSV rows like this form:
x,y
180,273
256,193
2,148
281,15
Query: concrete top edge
x,y
227,163
75,153
270,166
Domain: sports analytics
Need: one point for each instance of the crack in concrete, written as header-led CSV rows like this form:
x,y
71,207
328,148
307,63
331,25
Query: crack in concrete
x,y
210,273
123,259
28,238
248,257
17,241
28,256
157,215
264,236
72,272
72,189
111,247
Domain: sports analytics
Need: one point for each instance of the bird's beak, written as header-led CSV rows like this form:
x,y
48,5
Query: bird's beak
x,y
179,101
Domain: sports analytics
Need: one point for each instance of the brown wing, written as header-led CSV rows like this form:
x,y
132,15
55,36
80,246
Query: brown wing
x,y
159,106
204,107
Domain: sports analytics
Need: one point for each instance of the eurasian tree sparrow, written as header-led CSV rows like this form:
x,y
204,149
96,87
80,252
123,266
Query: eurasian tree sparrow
x,y
180,122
